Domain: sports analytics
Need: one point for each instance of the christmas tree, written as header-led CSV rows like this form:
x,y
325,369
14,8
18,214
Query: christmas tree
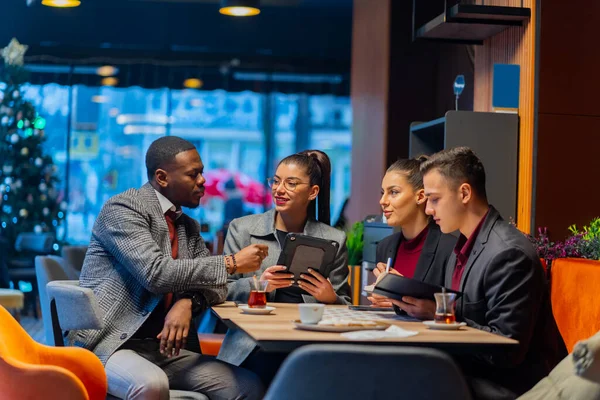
x,y
29,199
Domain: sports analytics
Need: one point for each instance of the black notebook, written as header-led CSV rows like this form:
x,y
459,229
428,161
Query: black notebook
x,y
395,287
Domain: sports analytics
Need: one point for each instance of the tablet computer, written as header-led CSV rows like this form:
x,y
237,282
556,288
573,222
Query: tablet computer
x,y
301,252
396,286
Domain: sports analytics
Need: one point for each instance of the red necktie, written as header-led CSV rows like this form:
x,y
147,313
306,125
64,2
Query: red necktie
x,y
171,216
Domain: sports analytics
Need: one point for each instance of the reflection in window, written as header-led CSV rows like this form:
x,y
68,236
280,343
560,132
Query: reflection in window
x,y
331,132
225,127
111,129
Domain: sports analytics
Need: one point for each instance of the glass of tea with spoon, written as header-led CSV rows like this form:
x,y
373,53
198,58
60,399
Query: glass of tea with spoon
x,y
444,308
258,293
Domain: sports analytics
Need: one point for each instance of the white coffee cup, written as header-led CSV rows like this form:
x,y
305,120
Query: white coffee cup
x,y
311,313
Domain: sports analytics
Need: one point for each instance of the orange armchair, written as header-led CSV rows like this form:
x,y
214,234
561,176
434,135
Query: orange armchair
x,y
29,370
575,300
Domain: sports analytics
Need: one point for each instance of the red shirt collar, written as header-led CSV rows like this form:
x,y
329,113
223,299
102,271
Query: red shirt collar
x,y
464,246
417,242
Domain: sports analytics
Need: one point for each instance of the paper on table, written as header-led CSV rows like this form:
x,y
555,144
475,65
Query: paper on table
x,y
392,332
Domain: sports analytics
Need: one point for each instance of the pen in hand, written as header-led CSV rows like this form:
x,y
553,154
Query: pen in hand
x,y
388,265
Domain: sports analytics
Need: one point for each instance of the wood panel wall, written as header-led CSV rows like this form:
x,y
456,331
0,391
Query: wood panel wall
x,y
393,83
369,93
568,137
516,45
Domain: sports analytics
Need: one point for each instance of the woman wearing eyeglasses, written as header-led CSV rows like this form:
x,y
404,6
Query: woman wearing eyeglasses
x,y
301,182
300,190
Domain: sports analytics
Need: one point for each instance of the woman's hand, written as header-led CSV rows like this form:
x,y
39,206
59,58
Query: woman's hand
x,y
277,280
318,287
379,272
379,301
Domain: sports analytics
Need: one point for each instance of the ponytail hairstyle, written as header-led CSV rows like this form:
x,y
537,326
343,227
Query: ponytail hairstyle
x,y
317,166
411,168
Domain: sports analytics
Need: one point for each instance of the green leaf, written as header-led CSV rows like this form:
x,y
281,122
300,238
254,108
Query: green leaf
x,y
355,243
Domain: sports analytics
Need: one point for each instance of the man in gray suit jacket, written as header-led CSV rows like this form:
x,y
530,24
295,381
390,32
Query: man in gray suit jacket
x,y
151,271
499,273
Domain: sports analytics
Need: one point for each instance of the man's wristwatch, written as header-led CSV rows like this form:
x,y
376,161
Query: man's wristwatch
x,y
197,301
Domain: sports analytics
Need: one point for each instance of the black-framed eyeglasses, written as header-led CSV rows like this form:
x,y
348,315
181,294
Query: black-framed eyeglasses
x,y
288,185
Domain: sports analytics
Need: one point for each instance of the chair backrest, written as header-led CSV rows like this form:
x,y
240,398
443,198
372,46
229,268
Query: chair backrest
x,y
326,372
35,242
14,341
29,370
72,308
74,256
47,269
4,251
575,300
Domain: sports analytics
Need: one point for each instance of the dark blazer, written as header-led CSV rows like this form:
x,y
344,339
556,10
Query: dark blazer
x,y
505,292
432,262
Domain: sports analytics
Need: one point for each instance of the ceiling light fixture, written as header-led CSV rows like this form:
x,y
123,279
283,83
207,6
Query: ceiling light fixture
x,y
61,3
107,70
240,8
109,81
193,83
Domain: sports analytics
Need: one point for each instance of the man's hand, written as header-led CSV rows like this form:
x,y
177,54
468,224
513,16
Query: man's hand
x,y
418,308
318,287
249,258
176,328
379,301
277,280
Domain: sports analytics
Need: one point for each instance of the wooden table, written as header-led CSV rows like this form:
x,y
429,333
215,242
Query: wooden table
x,y
11,299
276,332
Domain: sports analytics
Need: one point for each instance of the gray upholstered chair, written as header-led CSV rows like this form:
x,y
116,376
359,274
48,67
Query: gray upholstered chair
x,y
73,307
330,372
74,256
47,269
21,267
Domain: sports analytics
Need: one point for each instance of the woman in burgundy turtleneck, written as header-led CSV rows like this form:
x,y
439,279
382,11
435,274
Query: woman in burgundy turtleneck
x,y
420,250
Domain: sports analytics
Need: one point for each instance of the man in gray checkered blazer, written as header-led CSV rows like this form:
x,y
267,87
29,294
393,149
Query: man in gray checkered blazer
x,y
151,271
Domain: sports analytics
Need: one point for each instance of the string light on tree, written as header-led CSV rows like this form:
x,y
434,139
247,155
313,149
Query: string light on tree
x,y
29,199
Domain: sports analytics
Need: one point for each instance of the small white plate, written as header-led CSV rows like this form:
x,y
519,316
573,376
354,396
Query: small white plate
x,y
445,327
339,328
256,311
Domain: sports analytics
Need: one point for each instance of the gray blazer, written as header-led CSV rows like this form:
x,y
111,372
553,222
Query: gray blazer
x,y
260,229
129,267
505,292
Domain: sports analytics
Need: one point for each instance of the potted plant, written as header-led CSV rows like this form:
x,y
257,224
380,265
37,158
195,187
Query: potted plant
x,y
355,243
589,244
